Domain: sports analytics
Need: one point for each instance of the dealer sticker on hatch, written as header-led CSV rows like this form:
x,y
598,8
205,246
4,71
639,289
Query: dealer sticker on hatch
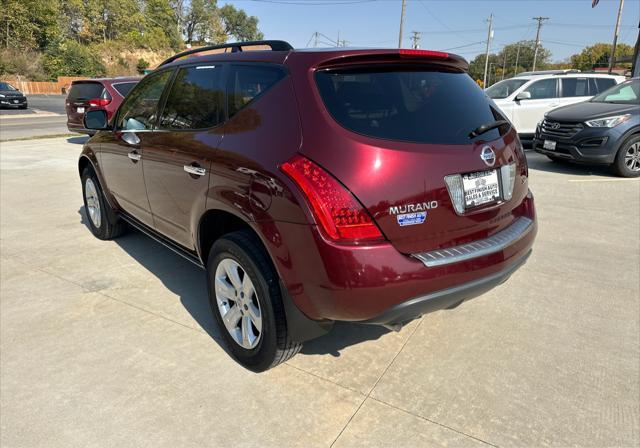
x,y
410,219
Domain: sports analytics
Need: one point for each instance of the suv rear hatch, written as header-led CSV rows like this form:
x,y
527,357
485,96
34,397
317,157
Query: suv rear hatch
x,y
398,128
82,96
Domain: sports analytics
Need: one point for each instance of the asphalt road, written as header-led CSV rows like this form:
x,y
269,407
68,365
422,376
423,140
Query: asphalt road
x,y
46,103
46,116
112,343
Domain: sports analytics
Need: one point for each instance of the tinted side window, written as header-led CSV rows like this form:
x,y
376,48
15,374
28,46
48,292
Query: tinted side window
x,y
196,99
545,88
248,81
124,87
574,87
139,110
604,84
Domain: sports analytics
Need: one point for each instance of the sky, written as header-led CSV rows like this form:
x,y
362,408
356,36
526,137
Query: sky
x,y
459,26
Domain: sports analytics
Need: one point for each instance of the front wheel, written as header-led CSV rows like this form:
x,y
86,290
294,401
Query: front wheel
x,y
246,301
627,163
102,221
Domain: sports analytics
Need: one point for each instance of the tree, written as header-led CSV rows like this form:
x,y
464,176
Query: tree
x,y
237,24
520,52
29,24
598,56
69,58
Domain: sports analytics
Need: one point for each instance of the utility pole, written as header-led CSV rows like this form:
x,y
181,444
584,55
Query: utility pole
x,y
415,38
535,51
504,62
612,58
515,67
315,42
486,57
404,8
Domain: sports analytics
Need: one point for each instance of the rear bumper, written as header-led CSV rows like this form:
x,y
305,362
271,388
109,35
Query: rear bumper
x,y
378,284
446,298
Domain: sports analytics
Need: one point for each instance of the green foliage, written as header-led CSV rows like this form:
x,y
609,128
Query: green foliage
x,y
69,58
24,63
520,52
598,56
237,24
29,24
81,37
142,65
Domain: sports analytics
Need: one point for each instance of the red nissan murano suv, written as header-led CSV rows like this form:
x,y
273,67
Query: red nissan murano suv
x,y
369,186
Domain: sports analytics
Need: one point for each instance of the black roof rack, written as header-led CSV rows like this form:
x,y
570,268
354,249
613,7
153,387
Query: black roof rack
x,y
276,45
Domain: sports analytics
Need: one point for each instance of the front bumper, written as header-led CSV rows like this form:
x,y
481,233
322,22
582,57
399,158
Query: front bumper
x,y
13,102
377,284
590,145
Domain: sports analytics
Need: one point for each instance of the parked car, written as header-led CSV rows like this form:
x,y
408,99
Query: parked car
x,y
11,97
103,93
370,186
603,130
526,98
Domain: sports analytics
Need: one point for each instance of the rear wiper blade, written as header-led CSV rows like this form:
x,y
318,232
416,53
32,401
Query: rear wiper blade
x,y
486,128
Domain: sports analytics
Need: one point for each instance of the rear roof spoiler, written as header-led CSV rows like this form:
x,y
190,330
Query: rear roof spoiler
x,y
275,45
396,55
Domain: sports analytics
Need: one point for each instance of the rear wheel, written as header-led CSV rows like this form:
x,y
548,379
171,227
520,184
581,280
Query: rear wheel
x,y
246,301
102,220
627,163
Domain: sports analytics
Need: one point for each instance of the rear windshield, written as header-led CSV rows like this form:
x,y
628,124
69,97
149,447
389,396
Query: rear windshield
x,y
85,91
422,106
124,87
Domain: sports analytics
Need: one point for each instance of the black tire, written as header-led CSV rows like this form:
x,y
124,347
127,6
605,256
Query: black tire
x,y
110,226
619,165
274,345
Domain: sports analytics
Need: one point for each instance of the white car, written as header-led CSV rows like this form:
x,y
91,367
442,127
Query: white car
x,y
525,98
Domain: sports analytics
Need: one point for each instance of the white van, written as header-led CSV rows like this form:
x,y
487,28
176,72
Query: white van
x,y
525,98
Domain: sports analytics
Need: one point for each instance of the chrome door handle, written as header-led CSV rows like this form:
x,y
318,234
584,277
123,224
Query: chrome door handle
x,y
130,138
196,170
133,155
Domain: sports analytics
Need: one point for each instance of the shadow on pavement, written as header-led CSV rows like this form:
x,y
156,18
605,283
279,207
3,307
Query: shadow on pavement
x,y
343,334
541,162
78,140
188,282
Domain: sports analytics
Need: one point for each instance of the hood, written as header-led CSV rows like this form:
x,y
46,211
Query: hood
x,y
588,110
11,93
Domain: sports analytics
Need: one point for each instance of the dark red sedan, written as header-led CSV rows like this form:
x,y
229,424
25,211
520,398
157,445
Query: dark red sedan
x,y
103,93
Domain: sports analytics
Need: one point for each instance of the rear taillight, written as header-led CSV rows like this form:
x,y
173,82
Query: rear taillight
x,y
99,102
339,215
423,53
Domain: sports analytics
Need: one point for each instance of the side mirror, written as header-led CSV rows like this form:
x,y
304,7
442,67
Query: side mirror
x,y
523,96
96,120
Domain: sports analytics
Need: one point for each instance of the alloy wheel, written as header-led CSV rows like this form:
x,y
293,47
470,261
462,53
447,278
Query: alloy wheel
x,y
632,157
238,303
93,202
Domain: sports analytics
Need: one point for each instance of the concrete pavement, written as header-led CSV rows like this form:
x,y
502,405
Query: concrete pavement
x,y
113,343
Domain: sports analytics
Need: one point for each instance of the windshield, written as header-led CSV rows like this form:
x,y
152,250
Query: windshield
x,y
627,92
5,86
504,88
406,104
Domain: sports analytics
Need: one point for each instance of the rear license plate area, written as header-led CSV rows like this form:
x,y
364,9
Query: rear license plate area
x,y
482,187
